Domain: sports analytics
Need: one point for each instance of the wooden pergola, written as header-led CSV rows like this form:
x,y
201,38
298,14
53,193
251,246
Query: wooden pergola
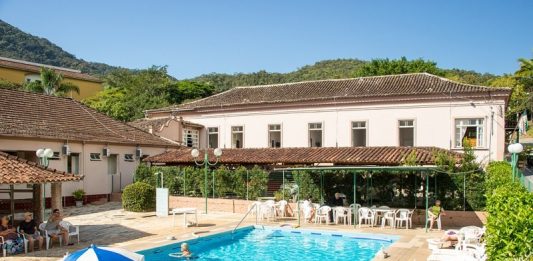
x,y
15,171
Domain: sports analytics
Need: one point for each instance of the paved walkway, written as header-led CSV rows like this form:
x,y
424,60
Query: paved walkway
x,y
109,224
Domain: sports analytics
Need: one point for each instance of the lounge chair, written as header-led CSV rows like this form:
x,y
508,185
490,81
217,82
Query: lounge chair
x,y
469,252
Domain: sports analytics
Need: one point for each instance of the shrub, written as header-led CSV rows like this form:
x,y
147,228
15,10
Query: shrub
x,y
138,197
78,194
509,225
307,187
257,186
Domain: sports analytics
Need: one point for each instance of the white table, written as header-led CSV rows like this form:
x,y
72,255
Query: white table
x,y
184,211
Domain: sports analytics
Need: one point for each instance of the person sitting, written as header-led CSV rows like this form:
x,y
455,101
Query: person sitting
x,y
54,229
338,201
28,227
451,236
434,213
13,242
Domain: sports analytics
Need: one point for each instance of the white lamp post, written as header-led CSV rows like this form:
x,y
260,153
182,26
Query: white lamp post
x,y
515,149
195,153
43,155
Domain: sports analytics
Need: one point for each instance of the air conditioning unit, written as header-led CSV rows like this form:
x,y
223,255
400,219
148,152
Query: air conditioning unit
x,y
138,152
65,150
106,152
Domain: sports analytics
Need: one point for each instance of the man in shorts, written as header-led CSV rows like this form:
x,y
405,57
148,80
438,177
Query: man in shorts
x,y
54,229
29,228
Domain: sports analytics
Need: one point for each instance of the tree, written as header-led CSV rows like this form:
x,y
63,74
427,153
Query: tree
x,y
52,83
182,91
401,66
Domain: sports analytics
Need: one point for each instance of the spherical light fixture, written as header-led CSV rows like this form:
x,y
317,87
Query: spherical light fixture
x,y
218,152
195,153
40,153
48,153
515,148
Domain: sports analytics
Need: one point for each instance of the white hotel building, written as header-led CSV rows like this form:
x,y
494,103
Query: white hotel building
x,y
412,110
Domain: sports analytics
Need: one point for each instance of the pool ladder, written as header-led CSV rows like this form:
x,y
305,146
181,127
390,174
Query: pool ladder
x,y
254,206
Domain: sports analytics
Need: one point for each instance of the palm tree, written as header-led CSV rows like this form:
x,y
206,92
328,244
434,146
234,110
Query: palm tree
x,y
51,83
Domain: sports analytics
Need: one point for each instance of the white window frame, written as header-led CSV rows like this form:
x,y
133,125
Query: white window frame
x,y
406,127
459,144
78,155
280,134
309,134
95,156
241,131
210,133
195,140
359,128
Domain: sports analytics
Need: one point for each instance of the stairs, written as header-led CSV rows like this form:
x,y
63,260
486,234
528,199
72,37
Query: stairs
x,y
275,182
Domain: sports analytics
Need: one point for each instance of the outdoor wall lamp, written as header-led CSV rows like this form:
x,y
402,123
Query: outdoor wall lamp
x,y
195,153
515,149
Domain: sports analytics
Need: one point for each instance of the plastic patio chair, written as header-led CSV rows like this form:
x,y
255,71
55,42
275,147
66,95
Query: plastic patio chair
x,y
342,213
72,229
401,216
388,216
470,235
2,242
355,211
322,214
24,239
282,207
366,214
437,220
47,239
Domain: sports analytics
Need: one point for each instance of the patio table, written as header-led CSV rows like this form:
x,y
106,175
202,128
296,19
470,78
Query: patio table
x,y
380,212
184,211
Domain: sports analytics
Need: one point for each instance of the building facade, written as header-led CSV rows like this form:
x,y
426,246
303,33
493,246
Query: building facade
x,y
20,72
411,110
85,142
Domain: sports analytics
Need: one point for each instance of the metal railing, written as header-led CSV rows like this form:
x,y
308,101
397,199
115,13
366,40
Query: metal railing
x,y
254,206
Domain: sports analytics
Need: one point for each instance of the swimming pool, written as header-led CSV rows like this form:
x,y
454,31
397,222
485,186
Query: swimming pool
x,y
274,243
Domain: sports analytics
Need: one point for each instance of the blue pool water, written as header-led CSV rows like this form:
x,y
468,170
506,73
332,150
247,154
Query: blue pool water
x,y
258,243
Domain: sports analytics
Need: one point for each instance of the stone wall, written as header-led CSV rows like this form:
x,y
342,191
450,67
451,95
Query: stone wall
x,y
452,219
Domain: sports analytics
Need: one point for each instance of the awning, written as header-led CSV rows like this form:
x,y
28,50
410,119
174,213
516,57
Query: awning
x,y
378,156
14,170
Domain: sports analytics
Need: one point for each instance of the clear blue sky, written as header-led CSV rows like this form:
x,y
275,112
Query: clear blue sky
x,y
197,37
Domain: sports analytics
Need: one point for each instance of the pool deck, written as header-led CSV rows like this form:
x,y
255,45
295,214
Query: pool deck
x,y
110,225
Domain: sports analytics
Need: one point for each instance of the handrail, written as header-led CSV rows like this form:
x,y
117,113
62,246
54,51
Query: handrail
x,y
248,212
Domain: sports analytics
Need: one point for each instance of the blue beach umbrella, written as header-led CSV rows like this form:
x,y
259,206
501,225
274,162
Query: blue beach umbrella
x,y
96,253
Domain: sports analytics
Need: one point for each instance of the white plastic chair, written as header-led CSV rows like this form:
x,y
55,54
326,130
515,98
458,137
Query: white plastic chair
x,y
341,213
366,214
72,230
266,211
2,242
322,213
307,209
387,216
24,239
401,216
470,235
355,211
470,252
428,220
48,239
282,207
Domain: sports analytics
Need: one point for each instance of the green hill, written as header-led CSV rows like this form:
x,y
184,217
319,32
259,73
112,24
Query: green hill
x,y
17,44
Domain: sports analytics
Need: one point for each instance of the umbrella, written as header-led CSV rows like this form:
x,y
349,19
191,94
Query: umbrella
x,y
96,253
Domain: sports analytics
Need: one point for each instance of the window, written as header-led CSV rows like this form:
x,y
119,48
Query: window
x,y
359,133
471,131
73,163
274,136
212,137
237,136
407,133
315,134
56,156
129,157
95,156
190,138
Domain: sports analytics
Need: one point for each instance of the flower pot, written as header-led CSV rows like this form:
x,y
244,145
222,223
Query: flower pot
x,y
79,203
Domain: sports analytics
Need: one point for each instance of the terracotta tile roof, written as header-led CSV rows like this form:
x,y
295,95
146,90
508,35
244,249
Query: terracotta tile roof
x,y
36,68
14,170
383,156
408,85
27,114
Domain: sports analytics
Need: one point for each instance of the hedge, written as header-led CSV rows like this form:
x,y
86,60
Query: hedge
x,y
138,197
509,224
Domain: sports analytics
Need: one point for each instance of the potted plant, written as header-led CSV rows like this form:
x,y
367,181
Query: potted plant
x,y
78,196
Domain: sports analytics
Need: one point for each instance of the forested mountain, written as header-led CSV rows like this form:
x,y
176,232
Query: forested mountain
x,y
17,44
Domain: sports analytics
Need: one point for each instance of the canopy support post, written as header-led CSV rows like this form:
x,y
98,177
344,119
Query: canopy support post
x,y
12,203
464,192
283,185
298,196
354,210
427,201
